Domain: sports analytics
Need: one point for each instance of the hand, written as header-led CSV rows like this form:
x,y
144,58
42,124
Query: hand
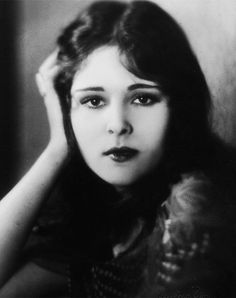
x,y
45,83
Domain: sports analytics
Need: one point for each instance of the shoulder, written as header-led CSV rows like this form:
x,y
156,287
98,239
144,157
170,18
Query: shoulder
x,y
192,245
201,204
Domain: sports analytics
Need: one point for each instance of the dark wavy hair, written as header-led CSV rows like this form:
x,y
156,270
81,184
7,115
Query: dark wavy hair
x,y
155,48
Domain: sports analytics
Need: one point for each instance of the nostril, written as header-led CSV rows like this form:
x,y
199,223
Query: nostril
x,y
125,128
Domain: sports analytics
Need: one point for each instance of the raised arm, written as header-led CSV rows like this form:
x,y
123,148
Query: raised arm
x,y
19,208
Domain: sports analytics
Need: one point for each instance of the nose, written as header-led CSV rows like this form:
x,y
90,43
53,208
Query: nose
x,y
118,122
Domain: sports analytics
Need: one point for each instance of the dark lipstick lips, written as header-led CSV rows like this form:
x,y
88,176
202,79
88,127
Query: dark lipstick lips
x,y
121,154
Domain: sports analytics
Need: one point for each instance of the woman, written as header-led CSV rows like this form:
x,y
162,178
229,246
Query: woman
x,y
139,199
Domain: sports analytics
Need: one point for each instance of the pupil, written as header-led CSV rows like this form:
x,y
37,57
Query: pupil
x,y
95,101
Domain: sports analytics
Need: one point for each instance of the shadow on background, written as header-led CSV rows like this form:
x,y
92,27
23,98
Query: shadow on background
x,y
9,100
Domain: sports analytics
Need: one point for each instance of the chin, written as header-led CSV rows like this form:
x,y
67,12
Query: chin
x,y
118,176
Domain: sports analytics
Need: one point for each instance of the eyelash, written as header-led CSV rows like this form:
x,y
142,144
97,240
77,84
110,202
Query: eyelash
x,y
88,100
151,99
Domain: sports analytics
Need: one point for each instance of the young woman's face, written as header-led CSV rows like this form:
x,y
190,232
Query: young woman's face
x,y
119,120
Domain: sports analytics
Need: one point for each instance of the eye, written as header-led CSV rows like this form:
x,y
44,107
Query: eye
x,y
146,99
93,102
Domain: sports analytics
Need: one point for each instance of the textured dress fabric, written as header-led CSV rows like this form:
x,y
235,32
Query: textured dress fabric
x,y
187,251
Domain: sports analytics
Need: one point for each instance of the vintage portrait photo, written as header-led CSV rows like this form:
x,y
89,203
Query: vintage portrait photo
x,y
118,149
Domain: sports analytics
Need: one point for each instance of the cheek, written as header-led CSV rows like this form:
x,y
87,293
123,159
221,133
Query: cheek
x,y
154,139
86,128
79,125
153,127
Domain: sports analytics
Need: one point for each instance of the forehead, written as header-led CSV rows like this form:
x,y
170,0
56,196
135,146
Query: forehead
x,y
104,67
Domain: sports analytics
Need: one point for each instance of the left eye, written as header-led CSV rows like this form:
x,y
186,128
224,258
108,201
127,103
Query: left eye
x,y
144,100
93,102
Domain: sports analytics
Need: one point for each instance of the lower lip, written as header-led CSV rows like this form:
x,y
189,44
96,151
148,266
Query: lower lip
x,y
122,157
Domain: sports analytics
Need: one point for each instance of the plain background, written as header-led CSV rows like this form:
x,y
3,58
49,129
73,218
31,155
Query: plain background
x,y
29,29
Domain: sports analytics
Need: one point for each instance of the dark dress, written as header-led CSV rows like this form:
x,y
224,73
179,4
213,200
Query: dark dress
x,y
138,247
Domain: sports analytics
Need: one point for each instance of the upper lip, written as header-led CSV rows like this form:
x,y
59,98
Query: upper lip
x,y
120,150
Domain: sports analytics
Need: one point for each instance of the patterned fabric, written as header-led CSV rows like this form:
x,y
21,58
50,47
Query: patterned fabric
x,y
194,255
190,251
116,278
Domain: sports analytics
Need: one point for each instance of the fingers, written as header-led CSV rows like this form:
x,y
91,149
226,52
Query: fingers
x,y
40,83
45,80
49,62
46,75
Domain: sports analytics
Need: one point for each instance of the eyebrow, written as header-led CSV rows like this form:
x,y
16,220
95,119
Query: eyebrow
x,y
142,86
130,88
91,89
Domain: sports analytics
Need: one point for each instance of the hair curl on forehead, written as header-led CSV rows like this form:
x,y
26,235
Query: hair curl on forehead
x,y
155,48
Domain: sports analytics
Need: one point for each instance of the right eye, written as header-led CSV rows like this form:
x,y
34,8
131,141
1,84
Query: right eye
x,y
93,102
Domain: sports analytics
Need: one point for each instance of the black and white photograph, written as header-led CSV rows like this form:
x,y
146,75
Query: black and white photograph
x,y
118,149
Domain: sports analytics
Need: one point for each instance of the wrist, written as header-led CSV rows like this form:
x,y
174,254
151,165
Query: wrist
x,y
58,152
